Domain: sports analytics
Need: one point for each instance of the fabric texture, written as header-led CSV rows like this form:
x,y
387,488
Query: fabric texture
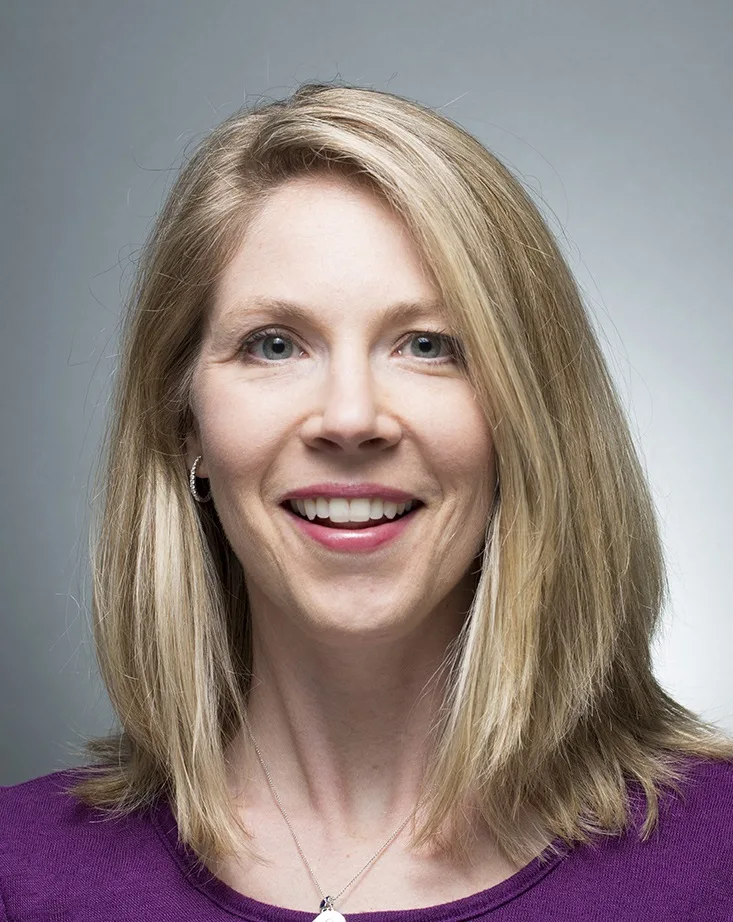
x,y
61,861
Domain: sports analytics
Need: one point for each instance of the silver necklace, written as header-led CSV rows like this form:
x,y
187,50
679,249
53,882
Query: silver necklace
x,y
327,912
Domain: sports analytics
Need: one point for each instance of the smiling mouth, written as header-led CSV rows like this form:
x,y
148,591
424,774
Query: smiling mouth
x,y
353,526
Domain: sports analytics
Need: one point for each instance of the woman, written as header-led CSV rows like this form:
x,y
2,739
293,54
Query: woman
x,y
378,569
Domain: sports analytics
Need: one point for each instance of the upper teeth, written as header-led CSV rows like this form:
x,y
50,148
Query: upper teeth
x,y
348,510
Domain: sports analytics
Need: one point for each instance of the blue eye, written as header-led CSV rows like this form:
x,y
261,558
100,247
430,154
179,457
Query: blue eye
x,y
452,348
424,339
281,346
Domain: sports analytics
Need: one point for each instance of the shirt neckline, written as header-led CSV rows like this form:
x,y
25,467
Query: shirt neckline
x,y
238,904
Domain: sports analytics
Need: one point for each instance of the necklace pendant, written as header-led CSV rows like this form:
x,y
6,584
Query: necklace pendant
x,y
328,913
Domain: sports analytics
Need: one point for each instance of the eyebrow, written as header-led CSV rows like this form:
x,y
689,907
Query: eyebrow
x,y
401,311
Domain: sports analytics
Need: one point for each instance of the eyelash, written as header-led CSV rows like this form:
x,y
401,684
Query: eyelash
x,y
450,342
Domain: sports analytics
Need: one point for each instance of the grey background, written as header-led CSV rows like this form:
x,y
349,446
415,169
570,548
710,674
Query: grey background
x,y
617,116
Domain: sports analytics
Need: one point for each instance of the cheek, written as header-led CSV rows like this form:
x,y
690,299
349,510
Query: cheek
x,y
463,453
240,430
463,448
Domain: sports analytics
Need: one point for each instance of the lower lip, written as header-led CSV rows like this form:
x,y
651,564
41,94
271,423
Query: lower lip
x,y
360,539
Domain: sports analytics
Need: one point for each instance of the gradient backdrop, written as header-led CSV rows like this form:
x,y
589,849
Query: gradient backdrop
x,y
617,115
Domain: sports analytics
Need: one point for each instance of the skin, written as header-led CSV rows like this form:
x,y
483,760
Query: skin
x,y
345,645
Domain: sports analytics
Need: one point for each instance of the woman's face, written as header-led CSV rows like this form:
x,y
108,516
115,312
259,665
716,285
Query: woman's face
x,y
347,391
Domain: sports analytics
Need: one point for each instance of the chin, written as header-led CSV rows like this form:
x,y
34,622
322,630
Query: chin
x,y
355,622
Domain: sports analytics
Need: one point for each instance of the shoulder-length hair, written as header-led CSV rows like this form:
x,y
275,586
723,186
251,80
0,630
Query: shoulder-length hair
x,y
551,701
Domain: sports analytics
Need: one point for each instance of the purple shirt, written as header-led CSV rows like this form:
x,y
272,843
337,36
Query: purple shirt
x,y
61,861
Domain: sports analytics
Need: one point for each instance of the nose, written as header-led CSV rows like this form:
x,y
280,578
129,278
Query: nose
x,y
352,409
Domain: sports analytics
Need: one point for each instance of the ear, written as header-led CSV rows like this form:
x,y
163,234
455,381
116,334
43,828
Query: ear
x,y
193,450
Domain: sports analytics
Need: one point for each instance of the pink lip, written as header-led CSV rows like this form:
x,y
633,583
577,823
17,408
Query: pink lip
x,y
360,539
350,490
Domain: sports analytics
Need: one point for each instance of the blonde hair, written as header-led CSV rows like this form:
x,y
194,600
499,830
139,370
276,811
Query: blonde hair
x,y
551,701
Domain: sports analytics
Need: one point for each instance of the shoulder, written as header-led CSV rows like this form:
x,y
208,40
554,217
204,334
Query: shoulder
x,y
682,870
56,851
694,830
39,816
695,826
46,789
703,802
29,811
35,812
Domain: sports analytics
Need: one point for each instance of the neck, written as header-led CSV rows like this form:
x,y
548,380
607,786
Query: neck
x,y
344,729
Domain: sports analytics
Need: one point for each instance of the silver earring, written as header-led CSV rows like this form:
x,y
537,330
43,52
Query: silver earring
x,y
192,484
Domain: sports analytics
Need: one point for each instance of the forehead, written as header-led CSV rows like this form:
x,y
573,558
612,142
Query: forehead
x,y
323,244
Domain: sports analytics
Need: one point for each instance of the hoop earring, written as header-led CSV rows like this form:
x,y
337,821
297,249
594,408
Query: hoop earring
x,y
192,484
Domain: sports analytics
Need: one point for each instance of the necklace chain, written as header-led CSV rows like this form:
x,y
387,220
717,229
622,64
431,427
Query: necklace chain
x,y
328,901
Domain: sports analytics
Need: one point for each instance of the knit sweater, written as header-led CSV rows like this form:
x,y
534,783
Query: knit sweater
x,y
62,860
